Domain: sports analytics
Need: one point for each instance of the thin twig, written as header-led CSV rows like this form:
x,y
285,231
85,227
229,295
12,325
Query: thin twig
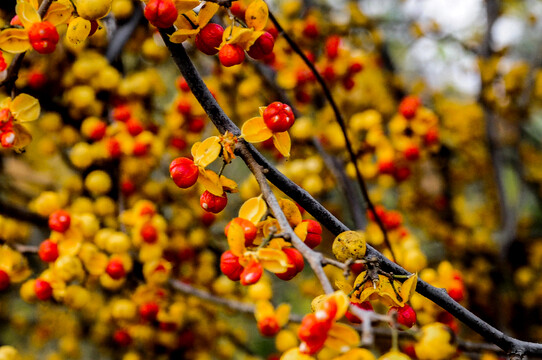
x,y
342,124
22,214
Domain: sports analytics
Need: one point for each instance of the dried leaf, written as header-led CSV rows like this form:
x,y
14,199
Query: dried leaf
x,y
206,13
256,15
184,6
238,35
255,130
282,143
25,108
210,181
14,41
236,239
253,209
27,14
342,337
409,287
59,12
273,260
207,151
291,211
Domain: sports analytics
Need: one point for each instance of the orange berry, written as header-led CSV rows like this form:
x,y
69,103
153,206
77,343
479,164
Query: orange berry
x,y
59,221
209,38
269,326
278,117
251,273
262,47
295,259
409,106
229,265
149,311
115,269
4,280
231,54
248,227
48,251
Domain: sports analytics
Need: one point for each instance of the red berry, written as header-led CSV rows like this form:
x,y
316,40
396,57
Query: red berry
x,y
329,73
348,83
122,338
213,203
386,167
409,106
278,117
43,37
269,326
148,233
59,221
36,79
248,227
4,280
195,125
401,173
134,126
229,265
149,311
184,172
251,273
457,291
209,38
3,65
181,82
121,113
262,47
115,269
184,106
48,251
238,10
332,46
178,143
43,290
406,315
127,187
412,153
431,137
113,148
313,332
161,13
392,220
231,54
311,29
314,233
207,218
296,262
93,27
366,305
355,68
140,149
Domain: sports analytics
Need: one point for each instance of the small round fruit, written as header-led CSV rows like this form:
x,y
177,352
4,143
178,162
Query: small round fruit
x,y
251,273
149,311
278,117
4,280
409,106
43,289
269,326
43,37
209,38
314,233
161,13
349,245
262,47
184,172
231,54
406,315
59,221
213,203
296,262
148,233
115,269
93,9
229,265
48,251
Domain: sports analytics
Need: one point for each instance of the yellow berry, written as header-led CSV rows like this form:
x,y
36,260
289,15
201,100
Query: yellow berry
x,y
47,203
349,245
98,182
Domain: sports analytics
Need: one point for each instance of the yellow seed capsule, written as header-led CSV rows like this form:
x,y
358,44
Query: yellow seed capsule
x,y
78,31
98,182
93,9
349,245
